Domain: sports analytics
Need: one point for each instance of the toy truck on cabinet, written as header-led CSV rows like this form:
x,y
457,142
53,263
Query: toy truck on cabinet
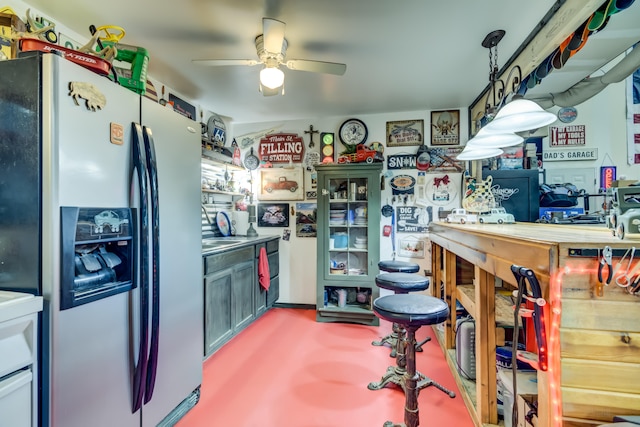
x,y
496,216
461,216
362,154
624,216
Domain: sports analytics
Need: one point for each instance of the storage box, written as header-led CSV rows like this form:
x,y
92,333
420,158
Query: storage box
x,y
10,24
527,412
548,213
623,182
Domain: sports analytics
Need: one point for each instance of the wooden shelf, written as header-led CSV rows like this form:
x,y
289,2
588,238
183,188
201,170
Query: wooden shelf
x,y
228,193
504,307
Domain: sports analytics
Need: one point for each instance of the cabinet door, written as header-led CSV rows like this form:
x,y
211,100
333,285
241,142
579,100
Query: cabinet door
x,y
217,296
243,284
348,241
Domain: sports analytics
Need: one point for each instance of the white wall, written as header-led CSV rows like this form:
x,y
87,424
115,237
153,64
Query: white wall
x,y
298,255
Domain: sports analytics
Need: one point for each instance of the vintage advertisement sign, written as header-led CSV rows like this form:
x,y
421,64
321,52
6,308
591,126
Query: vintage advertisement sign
x,y
281,148
412,219
401,161
570,154
566,135
405,132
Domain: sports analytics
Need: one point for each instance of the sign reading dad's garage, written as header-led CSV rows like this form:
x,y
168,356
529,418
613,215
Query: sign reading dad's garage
x,y
570,154
281,148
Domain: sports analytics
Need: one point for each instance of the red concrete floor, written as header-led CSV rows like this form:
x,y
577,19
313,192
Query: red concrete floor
x,y
288,370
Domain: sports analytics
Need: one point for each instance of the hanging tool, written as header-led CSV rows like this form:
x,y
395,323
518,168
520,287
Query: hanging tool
x,y
523,277
605,260
624,280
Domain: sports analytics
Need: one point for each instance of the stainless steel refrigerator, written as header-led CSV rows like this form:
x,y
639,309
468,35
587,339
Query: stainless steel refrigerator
x,y
100,214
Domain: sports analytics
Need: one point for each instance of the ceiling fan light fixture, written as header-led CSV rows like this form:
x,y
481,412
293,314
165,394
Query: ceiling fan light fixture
x,y
271,77
520,115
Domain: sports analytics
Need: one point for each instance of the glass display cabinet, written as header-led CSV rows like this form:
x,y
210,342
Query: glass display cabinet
x,y
348,242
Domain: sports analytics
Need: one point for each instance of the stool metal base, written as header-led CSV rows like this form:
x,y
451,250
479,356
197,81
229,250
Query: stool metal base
x,y
392,340
398,376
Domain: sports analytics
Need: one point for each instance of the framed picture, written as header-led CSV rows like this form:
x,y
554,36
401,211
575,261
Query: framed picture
x,y
306,217
273,215
411,247
281,184
405,133
445,127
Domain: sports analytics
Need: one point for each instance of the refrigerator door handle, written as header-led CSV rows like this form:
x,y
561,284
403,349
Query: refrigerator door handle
x,y
152,170
139,164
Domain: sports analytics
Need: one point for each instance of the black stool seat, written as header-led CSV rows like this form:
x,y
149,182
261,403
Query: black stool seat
x,y
402,283
411,309
393,266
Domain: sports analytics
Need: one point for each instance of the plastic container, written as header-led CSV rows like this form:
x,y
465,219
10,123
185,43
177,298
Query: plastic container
x,y
340,240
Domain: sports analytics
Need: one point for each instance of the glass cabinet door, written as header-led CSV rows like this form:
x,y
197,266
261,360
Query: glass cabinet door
x,y
348,226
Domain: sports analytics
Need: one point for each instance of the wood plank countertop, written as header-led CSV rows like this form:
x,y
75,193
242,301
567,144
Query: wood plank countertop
x,y
590,327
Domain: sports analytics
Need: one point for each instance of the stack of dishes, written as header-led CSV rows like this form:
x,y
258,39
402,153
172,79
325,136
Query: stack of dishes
x,y
360,220
337,216
360,243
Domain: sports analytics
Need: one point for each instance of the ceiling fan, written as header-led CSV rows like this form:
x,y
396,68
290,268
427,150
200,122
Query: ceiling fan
x,y
271,47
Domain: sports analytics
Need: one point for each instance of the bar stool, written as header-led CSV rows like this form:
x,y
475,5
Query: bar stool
x,y
400,283
412,312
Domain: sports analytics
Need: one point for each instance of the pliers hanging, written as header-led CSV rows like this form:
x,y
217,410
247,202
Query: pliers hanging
x,y
605,260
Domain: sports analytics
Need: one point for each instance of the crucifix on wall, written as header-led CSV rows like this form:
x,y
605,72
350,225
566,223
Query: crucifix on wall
x,y
311,132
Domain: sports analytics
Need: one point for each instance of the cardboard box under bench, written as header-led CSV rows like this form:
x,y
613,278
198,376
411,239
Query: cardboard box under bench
x,y
527,412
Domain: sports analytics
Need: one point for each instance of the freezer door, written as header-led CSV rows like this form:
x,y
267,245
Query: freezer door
x,y
178,151
86,163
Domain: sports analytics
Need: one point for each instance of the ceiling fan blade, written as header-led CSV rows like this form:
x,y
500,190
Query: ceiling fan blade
x,y
223,62
273,34
316,66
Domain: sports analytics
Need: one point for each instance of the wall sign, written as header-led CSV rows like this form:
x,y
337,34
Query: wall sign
x,y
401,161
402,184
570,154
281,148
607,176
567,114
567,135
405,132
412,219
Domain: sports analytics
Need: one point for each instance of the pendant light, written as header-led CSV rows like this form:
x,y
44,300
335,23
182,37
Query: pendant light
x,y
478,153
520,115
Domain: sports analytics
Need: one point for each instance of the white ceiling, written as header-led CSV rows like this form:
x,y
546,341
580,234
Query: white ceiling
x,y
401,55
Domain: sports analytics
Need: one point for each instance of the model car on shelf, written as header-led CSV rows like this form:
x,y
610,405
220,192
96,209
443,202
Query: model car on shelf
x,y
461,216
624,216
496,216
281,184
362,154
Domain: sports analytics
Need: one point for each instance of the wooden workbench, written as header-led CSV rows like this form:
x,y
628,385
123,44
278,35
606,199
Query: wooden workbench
x,y
593,337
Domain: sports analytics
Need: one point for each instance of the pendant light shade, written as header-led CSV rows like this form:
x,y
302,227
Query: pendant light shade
x,y
520,115
271,77
487,139
477,153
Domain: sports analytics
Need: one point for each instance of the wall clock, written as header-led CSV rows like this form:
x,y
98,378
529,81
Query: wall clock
x,y
251,161
353,132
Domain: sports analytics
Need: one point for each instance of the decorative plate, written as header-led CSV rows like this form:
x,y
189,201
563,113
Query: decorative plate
x,y
224,224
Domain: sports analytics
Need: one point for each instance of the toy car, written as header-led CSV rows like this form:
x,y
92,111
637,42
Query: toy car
x,y
624,216
496,216
460,215
281,184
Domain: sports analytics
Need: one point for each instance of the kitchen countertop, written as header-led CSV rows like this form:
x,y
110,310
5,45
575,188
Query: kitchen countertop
x,y
220,244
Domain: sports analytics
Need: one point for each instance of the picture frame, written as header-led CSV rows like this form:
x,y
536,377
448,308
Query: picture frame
x,y
306,219
273,215
403,133
281,184
445,127
412,247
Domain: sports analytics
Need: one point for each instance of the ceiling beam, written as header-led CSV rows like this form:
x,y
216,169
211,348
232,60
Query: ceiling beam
x,y
566,16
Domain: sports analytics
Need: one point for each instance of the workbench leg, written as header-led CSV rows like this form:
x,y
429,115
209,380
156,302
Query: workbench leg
x,y
486,386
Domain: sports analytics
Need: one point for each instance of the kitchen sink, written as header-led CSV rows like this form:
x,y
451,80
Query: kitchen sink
x,y
211,244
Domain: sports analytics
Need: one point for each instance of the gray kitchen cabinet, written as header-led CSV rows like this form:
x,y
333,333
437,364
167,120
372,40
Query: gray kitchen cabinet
x,y
233,296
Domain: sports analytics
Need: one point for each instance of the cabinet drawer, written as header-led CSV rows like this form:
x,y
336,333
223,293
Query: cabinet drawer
x,y
274,264
218,262
273,246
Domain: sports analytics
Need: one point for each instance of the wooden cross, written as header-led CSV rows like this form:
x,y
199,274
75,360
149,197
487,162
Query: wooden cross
x,y
311,132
